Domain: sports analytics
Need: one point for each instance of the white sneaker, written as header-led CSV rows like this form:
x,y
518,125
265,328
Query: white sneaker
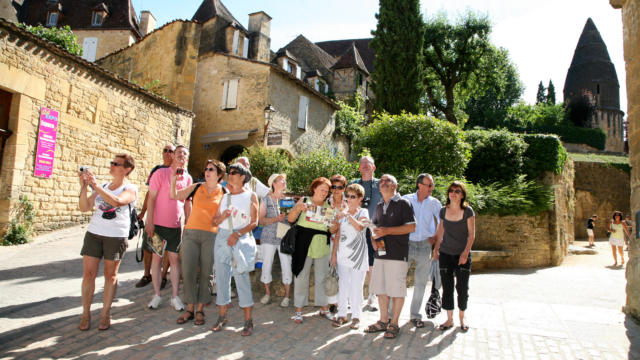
x,y
265,299
155,301
285,302
177,303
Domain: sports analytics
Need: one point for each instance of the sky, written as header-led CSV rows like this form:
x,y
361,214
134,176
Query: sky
x,y
540,35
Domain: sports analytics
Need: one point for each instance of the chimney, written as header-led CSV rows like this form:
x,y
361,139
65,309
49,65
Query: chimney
x,y
147,22
259,40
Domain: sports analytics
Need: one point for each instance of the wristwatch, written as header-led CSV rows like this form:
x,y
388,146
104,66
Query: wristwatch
x,y
238,233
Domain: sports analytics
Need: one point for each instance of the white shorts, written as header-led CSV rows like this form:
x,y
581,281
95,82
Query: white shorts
x,y
590,232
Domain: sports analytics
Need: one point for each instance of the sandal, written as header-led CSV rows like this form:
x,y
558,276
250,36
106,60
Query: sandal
x,y
199,319
377,327
355,324
417,323
444,327
392,331
297,318
248,328
326,314
222,320
182,319
464,328
339,322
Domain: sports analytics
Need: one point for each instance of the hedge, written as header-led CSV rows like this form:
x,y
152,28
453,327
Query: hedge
x,y
496,155
544,153
408,141
570,134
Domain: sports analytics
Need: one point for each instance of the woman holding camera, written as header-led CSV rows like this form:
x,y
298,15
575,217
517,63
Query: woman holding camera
x,y
107,232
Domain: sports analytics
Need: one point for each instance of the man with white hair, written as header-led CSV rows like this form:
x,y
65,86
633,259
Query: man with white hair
x,y
394,221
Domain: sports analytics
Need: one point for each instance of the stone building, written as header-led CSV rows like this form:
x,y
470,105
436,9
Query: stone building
x,y
102,26
99,115
631,36
592,75
224,73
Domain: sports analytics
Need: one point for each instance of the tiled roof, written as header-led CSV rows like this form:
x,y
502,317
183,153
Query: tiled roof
x,y
337,48
351,58
309,55
10,29
78,13
212,8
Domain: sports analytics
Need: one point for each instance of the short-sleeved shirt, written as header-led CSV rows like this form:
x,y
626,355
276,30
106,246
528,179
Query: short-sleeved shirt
x,y
112,221
205,206
427,213
155,168
396,212
371,192
590,223
456,233
352,251
168,212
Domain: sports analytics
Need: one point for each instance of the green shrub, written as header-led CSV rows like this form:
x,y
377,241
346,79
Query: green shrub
x,y
266,161
305,168
496,155
545,153
576,135
62,36
406,141
21,225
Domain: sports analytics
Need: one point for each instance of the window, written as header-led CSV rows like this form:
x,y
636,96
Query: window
x,y
52,18
97,18
245,47
234,44
299,72
303,112
291,68
317,85
230,94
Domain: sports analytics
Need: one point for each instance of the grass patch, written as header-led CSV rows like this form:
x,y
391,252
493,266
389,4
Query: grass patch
x,y
620,162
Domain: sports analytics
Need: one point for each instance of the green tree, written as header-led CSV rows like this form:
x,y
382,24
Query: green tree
x,y
551,94
452,54
397,41
493,90
62,36
541,98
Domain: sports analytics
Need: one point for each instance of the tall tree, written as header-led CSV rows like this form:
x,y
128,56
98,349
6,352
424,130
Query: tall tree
x,y
452,53
398,41
551,93
541,98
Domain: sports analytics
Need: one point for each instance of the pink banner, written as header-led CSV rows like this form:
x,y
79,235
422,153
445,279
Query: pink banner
x,y
46,143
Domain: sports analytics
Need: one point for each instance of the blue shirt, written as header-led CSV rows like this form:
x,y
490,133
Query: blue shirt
x,y
371,192
427,213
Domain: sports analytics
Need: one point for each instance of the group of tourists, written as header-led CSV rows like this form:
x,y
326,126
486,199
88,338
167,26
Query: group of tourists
x,y
619,231
364,230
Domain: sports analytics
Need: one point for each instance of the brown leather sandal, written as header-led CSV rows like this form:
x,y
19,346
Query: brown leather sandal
x,y
248,328
182,319
220,322
199,318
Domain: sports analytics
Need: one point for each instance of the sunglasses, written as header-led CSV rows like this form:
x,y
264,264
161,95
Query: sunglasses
x,y
233,173
210,169
457,191
167,151
113,163
351,196
339,187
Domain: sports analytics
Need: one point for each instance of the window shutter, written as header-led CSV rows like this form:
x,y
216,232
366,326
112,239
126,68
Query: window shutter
x,y
245,47
234,44
298,72
317,86
225,90
303,111
285,62
89,48
233,94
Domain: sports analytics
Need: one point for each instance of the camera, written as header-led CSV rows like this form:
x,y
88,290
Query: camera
x,y
366,201
109,215
84,168
179,171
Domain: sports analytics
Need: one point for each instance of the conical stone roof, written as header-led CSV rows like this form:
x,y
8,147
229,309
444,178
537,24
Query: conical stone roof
x,y
592,70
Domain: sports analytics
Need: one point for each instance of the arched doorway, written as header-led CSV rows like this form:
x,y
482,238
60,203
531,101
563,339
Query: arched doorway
x,y
231,153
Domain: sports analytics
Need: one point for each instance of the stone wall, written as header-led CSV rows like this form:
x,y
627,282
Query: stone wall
x,y
169,54
631,36
100,116
108,40
600,189
530,241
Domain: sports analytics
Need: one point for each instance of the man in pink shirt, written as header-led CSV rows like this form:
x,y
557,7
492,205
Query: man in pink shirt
x,y
164,217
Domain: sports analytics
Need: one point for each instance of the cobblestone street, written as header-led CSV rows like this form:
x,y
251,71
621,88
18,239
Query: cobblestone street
x,y
571,311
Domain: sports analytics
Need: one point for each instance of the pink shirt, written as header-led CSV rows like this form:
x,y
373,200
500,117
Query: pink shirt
x,y
167,212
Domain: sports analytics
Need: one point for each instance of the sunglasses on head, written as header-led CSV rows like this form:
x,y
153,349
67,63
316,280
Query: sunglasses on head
x,y
167,151
210,169
457,191
351,196
113,163
339,187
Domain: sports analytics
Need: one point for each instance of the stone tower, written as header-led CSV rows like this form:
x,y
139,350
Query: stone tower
x,y
592,73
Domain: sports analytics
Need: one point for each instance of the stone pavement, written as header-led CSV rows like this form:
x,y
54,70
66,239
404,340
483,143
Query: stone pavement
x,y
568,312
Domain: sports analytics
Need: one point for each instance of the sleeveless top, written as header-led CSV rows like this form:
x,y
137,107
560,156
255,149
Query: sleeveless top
x,y
240,210
616,231
205,206
269,231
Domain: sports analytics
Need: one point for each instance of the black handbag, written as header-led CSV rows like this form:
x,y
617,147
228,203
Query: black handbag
x,y
136,225
434,304
288,243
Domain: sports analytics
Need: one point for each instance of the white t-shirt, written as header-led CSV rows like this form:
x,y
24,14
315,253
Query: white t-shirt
x,y
240,210
352,251
110,221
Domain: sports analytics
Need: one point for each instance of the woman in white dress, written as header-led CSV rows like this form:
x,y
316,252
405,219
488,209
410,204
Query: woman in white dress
x,y
618,229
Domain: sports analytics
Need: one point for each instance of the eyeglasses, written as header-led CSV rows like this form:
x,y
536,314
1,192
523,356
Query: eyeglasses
x,y
351,196
457,191
167,151
385,180
113,163
232,172
339,187
427,185
210,169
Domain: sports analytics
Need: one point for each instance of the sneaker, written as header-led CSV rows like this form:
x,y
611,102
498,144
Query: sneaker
x,y
265,300
177,303
155,302
297,318
285,302
144,281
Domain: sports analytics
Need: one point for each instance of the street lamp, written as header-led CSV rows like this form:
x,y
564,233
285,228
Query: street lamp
x,y
268,110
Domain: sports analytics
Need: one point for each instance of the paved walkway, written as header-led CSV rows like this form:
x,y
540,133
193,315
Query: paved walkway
x,y
571,311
